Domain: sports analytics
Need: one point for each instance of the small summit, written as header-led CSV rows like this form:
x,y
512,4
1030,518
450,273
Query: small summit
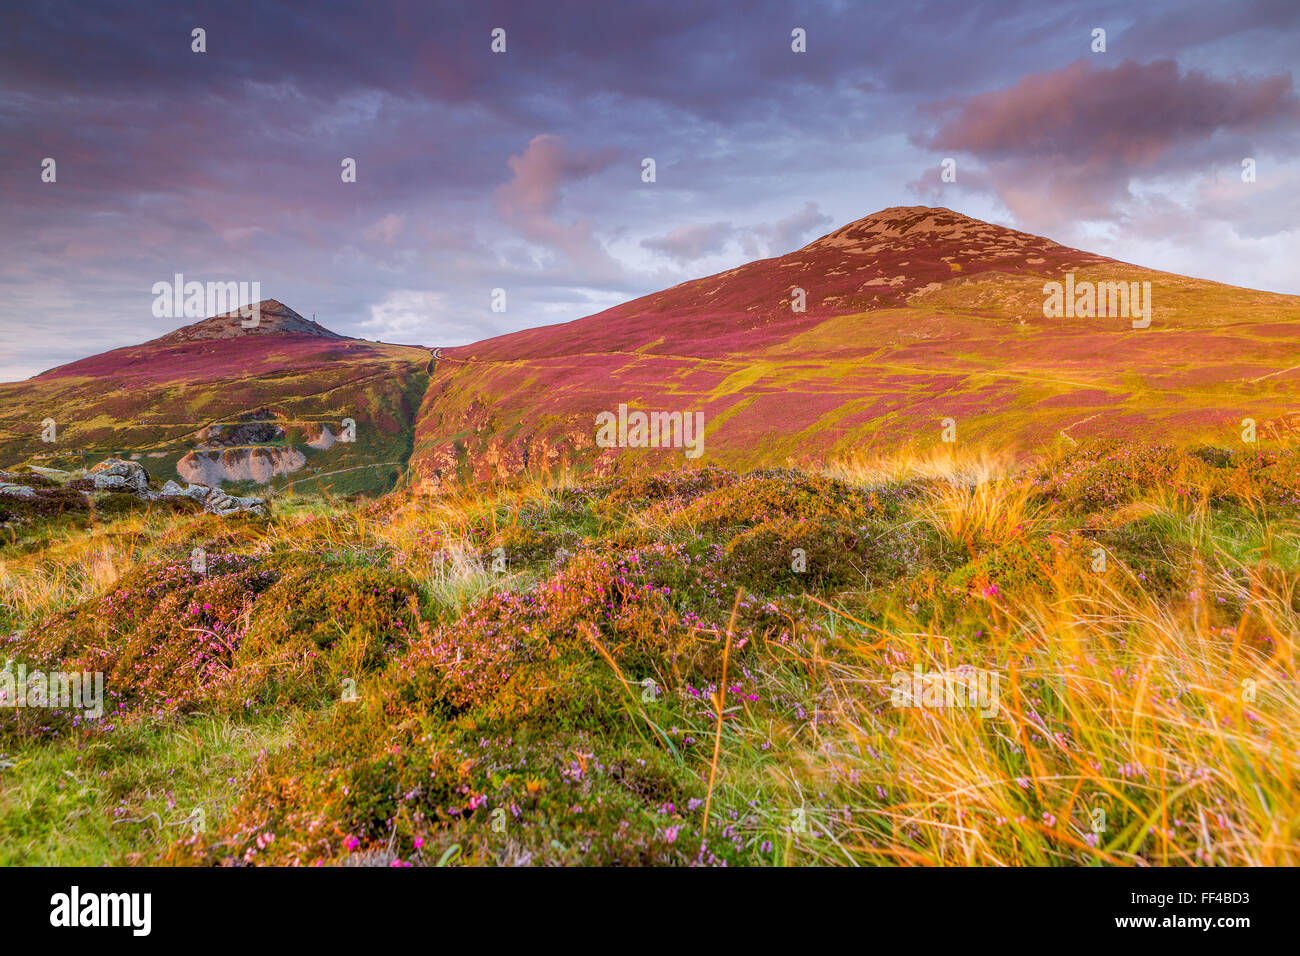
x,y
931,224
272,318
906,241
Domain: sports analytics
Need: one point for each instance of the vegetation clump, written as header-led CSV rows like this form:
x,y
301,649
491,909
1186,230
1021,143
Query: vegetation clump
x,y
691,668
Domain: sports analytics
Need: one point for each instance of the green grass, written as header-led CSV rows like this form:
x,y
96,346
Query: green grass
x,y
119,795
381,693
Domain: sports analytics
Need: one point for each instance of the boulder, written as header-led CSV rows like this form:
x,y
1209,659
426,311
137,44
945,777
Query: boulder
x,y
114,474
17,491
222,504
173,490
197,492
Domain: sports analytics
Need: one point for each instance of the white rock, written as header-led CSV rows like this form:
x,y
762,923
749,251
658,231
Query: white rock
x,y
114,474
221,504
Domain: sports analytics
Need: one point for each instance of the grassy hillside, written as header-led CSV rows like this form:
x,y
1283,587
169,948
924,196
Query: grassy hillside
x,y
696,667
914,317
149,401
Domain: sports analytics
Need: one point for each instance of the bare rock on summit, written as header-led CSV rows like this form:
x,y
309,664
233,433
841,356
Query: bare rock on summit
x,y
274,318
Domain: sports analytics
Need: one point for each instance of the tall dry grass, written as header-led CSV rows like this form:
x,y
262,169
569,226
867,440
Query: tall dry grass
x,y
72,569
946,464
1131,728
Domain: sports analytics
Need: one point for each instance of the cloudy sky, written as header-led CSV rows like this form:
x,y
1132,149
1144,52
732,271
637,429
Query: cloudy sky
x,y
522,170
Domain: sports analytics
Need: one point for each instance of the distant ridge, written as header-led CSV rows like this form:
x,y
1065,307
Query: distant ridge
x,y
866,340
215,402
276,318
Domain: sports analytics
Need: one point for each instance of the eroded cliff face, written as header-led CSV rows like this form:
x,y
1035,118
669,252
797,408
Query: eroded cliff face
x,y
208,467
259,447
320,437
484,451
288,399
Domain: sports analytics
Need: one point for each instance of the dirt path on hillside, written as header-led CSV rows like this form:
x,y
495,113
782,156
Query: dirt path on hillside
x,y
377,464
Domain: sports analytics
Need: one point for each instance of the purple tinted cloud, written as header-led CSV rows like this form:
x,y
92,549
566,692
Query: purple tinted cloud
x,y
685,244
522,170
1077,137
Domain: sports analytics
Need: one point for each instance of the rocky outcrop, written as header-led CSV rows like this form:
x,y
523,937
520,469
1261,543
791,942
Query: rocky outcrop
x,y
485,455
214,500
197,492
217,502
114,474
243,433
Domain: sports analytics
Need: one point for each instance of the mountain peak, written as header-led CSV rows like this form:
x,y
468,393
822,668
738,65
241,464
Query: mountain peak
x,y
878,262
924,225
903,249
274,318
